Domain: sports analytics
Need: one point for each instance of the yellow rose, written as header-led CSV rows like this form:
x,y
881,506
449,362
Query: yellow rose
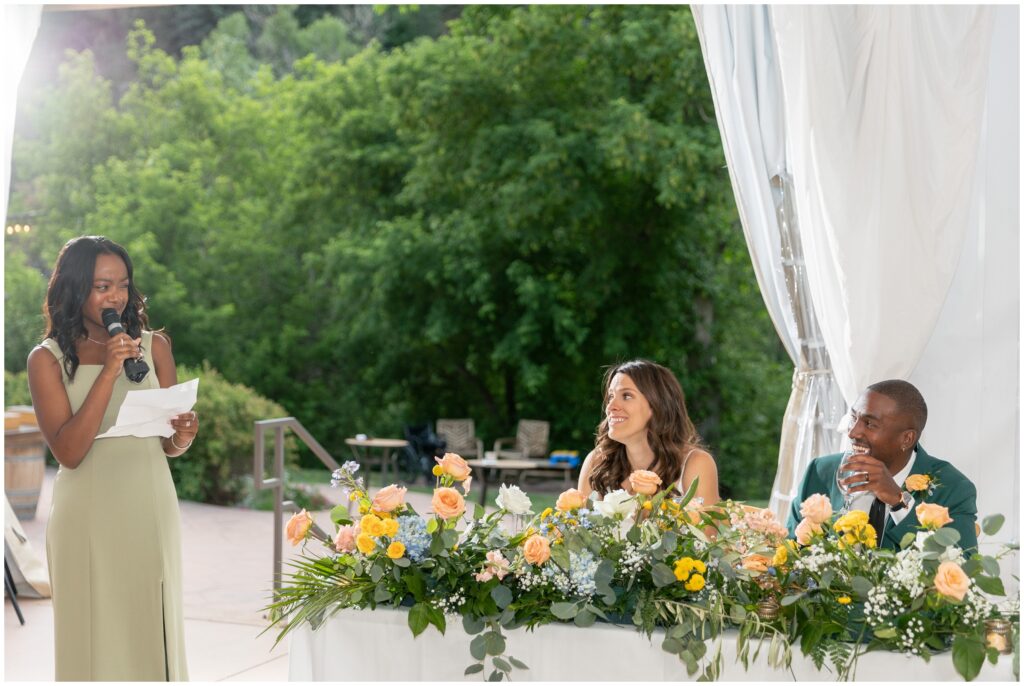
x,y
537,550
389,498
917,482
644,482
951,581
454,466
695,583
372,525
932,516
298,526
448,503
844,600
756,562
853,519
365,543
396,550
805,530
571,499
780,557
816,508
391,527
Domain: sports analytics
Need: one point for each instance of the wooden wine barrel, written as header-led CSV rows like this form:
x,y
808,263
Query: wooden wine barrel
x,y
24,467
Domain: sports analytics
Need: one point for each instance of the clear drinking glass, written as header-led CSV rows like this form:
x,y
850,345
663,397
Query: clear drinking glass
x,y
843,473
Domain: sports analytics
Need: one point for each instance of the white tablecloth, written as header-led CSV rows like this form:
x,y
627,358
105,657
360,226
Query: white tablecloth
x,y
378,646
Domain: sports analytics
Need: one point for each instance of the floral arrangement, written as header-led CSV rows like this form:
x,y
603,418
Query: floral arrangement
x,y
651,558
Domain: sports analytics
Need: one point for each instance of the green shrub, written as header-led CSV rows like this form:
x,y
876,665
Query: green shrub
x,y
16,388
218,467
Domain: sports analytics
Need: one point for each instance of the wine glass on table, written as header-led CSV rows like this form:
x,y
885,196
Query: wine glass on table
x,y
843,473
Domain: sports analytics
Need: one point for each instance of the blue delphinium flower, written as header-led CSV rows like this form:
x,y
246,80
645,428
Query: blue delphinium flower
x,y
412,533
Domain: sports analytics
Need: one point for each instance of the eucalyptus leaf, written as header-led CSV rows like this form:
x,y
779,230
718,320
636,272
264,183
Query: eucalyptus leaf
x,y
662,574
381,594
478,647
518,664
672,645
494,642
564,610
992,524
496,676
472,625
907,539
560,556
886,632
502,665
790,599
502,596
946,536
376,572
861,586
584,618
473,669
990,565
402,562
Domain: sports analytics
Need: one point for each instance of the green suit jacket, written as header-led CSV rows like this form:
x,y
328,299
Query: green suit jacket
x,y
954,492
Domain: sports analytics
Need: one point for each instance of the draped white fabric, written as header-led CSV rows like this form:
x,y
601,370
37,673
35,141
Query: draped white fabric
x,y
18,26
970,370
884,106
739,53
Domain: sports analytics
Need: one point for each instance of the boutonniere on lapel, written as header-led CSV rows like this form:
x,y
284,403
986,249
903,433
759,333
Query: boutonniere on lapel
x,y
921,484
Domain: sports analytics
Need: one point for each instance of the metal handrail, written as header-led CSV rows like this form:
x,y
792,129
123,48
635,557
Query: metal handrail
x,y
276,483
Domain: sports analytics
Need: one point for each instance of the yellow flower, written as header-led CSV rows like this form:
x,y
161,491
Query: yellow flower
x,y
365,544
663,506
683,568
364,508
844,600
353,496
647,505
437,471
390,527
780,557
917,482
372,525
854,519
695,583
396,550
699,566
546,513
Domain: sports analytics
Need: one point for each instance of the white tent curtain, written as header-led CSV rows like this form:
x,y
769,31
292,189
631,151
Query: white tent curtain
x,y
884,109
18,26
740,57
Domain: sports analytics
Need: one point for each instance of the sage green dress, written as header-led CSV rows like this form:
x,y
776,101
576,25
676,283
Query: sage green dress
x,y
113,544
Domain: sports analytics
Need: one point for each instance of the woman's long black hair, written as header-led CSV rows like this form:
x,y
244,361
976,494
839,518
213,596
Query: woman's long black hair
x,y
69,288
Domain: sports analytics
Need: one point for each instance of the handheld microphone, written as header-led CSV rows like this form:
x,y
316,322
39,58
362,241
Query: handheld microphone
x,y
135,370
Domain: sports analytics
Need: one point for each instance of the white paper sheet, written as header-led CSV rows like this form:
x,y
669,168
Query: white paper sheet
x,y
149,412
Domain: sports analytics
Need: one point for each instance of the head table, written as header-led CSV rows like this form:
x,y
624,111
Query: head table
x,y
377,645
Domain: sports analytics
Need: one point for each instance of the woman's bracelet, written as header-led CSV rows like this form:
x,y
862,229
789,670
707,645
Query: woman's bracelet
x,y
181,447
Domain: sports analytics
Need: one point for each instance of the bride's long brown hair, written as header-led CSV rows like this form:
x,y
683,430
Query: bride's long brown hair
x,y
670,433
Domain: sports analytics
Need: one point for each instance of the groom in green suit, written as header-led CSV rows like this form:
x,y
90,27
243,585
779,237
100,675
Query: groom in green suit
x,y
885,426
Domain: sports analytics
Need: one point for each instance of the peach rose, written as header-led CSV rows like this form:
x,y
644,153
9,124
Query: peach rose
x,y
537,549
454,466
448,503
345,539
816,508
571,499
917,482
932,516
805,529
951,581
644,482
756,562
298,527
389,498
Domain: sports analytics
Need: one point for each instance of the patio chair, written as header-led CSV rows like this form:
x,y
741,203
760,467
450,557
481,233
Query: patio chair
x,y
531,441
460,435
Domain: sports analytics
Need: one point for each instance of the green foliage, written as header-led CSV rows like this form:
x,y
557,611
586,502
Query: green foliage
x,y
16,388
473,225
24,292
218,467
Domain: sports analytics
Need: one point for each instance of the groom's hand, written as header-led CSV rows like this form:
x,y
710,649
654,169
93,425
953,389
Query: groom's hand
x,y
874,478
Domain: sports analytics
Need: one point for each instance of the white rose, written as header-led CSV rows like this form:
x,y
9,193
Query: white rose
x,y
615,503
513,500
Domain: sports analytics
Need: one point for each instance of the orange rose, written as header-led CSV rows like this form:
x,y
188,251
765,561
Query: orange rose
x,y
571,499
644,482
932,516
756,562
537,550
389,498
345,539
448,503
951,581
454,466
805,529
917,482
298,527
816,508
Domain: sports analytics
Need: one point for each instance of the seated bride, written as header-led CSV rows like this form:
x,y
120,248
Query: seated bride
x,y
646,426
